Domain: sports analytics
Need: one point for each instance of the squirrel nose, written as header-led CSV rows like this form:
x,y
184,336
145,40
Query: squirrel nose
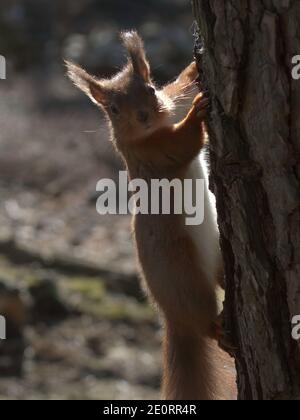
x,y
143,116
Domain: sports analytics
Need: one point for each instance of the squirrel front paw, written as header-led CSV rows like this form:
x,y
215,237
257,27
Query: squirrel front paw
x,y
198,99
200,106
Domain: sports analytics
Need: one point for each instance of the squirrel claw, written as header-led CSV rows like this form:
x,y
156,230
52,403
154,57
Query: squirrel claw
x,y
226,345
218,333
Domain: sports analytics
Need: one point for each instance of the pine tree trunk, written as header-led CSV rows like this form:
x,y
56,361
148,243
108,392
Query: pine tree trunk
x,y
254,129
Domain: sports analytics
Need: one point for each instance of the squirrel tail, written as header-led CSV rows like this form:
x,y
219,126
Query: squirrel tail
x,y
189,372
195,368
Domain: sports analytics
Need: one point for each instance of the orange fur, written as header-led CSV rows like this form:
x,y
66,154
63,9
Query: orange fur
x,y
170,263
171,266
174,146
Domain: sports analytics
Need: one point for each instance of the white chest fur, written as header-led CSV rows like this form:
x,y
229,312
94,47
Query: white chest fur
x,y
206,235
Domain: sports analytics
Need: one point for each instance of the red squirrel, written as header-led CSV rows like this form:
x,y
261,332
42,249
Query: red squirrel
x,y
179,264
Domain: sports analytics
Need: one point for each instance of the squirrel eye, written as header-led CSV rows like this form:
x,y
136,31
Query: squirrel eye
x,y
151,90
115,110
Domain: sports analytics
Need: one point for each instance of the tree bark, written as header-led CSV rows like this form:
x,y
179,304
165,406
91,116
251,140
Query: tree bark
x,y
254,129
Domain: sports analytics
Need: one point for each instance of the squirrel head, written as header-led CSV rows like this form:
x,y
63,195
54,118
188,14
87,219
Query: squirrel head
x,y
134,106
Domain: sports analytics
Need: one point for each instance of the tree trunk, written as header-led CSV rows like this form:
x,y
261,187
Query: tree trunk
x,y
254,129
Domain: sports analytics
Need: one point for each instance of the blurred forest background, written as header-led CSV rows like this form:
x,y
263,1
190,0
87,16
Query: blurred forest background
x,y
78,324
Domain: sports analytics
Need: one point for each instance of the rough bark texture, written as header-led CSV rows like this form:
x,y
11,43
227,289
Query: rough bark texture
x,y
254,130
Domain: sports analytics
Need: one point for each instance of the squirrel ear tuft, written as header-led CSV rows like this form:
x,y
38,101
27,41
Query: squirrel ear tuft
x,y
135,46
87,83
